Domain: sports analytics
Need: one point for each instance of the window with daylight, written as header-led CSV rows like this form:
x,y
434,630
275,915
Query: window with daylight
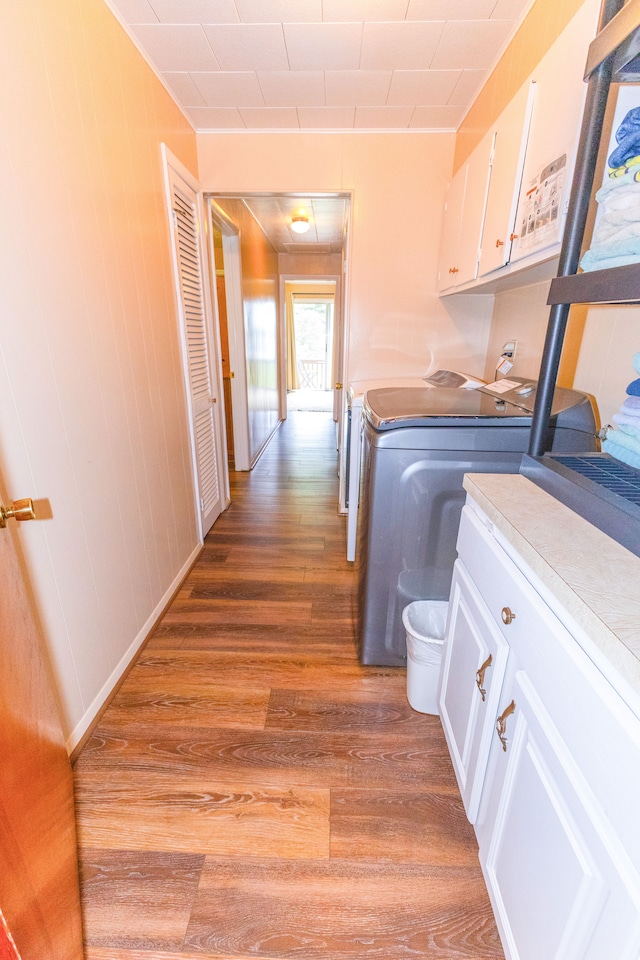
x,y
313,329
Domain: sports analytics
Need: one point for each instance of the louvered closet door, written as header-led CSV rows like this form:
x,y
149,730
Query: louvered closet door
x,y
197,349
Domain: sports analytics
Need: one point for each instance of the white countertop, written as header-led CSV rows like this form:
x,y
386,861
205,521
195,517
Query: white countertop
x,y
595,579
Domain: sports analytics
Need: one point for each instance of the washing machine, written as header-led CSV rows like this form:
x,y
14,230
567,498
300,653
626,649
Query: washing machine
x,y
417,446
353,432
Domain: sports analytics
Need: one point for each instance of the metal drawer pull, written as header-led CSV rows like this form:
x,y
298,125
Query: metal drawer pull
x,y
501,724
480,676
508,616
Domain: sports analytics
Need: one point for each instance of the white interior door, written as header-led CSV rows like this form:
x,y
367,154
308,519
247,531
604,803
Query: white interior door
x,y
39,894
203,376
338,347
232,259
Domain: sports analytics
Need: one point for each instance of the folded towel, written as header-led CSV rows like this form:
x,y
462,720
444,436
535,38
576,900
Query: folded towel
x,y
633,413
618,190
618,227
617,230
621,453
600,261
618,201
630,431
627,138
633,389
631,405
625,420
618,185
620,240
623,439
617,193
620,171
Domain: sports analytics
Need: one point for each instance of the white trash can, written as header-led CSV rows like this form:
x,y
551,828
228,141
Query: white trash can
x,y
424,622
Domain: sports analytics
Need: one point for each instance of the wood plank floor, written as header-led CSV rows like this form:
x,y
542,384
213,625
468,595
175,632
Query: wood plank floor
x,y
252,791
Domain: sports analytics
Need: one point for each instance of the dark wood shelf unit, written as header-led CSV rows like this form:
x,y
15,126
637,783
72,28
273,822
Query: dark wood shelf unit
x,y
621,38
614,56
614,285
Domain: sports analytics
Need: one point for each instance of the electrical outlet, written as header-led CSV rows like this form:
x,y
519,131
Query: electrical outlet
x,y
509,350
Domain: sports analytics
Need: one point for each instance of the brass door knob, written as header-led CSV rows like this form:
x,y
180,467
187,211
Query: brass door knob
x,y
508,616
19,510
499,243
514,236
453,270
338,386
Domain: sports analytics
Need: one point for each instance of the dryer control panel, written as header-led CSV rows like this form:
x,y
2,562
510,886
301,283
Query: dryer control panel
x,y
522,393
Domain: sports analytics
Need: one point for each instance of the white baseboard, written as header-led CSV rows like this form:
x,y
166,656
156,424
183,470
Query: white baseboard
x,y
111,683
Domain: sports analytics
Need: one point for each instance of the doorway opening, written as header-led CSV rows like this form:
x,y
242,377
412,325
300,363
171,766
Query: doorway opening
x,y
221,296
259,253
310,344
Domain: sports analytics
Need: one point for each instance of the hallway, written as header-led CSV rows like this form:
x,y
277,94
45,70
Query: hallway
x,y
252,791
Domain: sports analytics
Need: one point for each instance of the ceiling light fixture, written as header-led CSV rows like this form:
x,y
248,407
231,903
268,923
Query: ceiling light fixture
x,y
300,223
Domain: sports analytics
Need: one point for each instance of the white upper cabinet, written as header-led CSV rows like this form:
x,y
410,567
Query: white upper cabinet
x,y
450,239
507,206
463,218
507,161
553,138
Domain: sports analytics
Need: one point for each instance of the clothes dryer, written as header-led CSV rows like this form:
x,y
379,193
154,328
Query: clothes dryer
x,y
353,432
417,446
353,440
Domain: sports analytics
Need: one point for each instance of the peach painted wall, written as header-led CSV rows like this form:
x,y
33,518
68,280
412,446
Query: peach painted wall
x,y
260,305
514,319
543,24
92,405
309,264
397,325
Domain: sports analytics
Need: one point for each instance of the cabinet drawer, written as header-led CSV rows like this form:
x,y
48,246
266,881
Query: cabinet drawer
x,y
512,601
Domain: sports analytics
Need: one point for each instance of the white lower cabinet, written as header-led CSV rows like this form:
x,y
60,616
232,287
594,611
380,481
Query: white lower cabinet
x,y
548,764
548,856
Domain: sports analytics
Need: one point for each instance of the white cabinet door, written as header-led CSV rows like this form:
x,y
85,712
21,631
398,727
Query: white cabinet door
x,y
559,881
474,210
463,219
507,161
473,665
553,138
451,225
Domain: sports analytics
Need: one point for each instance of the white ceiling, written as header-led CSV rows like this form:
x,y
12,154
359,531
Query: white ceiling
x,y
327,221
322,64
